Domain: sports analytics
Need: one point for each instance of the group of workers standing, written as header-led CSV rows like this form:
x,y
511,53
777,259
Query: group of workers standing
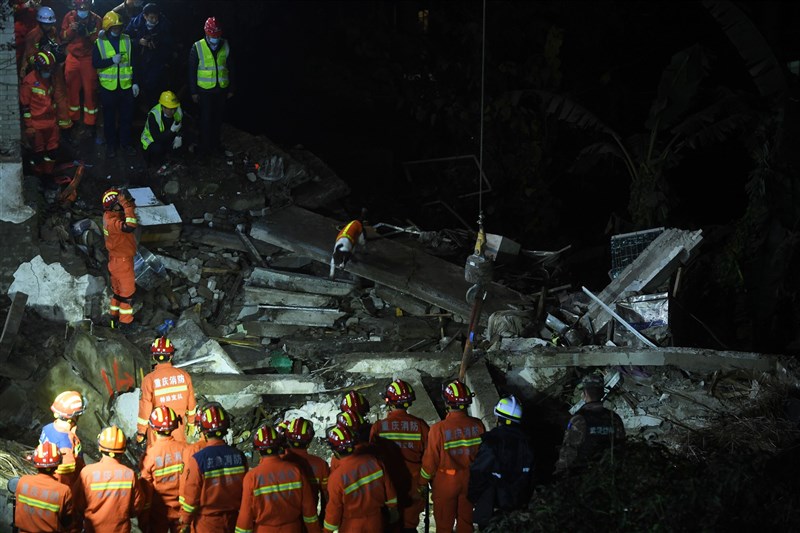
x,y
190,479
91,65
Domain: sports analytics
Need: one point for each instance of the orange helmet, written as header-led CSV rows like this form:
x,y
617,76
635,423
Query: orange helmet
x,y
110,199
212,27
47,455
111,440
163,419
457,394
355,401
162,349
267,440
399,393
68,405
341,440
213,419
300,432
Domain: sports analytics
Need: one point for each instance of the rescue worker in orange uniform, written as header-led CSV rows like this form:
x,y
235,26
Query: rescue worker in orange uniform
x,y
67,409
356,402
211,487
167,386
79,31
358,489
108,494
299,434
43,504
353,422
119,223
401,439
161,469
452,446
25,12
38,106
276,496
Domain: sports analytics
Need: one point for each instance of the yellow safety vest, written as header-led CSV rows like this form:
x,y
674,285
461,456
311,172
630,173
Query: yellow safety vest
x,y
122,72
212,71
147,137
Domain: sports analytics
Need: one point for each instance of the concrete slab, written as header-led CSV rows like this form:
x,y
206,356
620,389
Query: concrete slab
x,y
254,295
222,239
409,304
193,348
12,202
265,277
482,386
258,384
299,317
264,328
390,364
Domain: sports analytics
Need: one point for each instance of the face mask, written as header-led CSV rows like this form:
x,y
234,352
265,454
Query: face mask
x,y
46,74
213,41
82,13
115,33
151,25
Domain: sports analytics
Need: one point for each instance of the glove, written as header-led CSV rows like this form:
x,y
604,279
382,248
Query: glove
x,y
394,515
116,59
135,90
176,127
177,142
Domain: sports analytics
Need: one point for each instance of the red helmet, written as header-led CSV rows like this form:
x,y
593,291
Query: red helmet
x,y
163,419
111,440
399,393
68,405
456,394
44,60
350,420
355,401
282,426
267,440
85,4
214,419
212,27
46,455
110,199
341,440
162,349
300,432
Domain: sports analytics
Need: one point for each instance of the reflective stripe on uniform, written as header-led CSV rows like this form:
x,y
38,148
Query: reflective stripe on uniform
x,y
39,504
463,443
168,470
280,487
366,480
220,472
212,72
401,436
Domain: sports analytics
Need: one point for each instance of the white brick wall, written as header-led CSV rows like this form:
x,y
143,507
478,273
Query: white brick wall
x,y
9,89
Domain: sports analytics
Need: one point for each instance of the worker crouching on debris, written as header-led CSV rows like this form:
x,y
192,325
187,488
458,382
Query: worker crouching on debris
x,y
38,106
107,493
161,471
299,433
162,130
42,503
359,488
211,487
452,446
276,496
165,386
592,430
119,223
501,477
67,409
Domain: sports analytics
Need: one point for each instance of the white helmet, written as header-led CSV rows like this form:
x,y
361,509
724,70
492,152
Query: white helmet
x,y
46,15
509,409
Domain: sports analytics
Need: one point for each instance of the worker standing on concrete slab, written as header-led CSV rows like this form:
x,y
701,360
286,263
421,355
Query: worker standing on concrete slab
x,y
43,504
452,446
276,496
359,488
67,409
592,430
107,493
501,477
119,223
211,487
162,129
38,106
401,439
79,31
299,434
165,386
161,469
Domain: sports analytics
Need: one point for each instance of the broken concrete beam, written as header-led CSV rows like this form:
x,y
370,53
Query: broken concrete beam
x,y
290,262
264,328
254,295
223,239
317,317
256,384
265,277
405,327
485,394
692,359
408,304
251,250
11,326
393,363
192,345
303,347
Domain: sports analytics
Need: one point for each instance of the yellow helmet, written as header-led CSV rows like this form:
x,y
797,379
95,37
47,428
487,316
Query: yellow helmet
x,y
110,20
111,440
168,99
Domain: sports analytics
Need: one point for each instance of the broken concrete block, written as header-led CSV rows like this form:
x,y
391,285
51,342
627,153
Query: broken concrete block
x,y
254,295
407,303
265,277
263,328
393,363
485,397
257,384
299,317
193,348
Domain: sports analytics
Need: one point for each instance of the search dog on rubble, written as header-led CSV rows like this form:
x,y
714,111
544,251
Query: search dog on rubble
x,y
349,238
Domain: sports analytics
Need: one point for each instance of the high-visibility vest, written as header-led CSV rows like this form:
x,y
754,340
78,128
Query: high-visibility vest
x,y
122,72
351,232
212,71
147,137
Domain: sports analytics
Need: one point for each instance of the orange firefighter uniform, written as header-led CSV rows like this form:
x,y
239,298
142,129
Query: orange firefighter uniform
x,y
80,35
108,495
277,498
358,490
211,491
71,451
170,387
401,439
37,100
43,504
452,446
161,470
121,245
34,43
315,469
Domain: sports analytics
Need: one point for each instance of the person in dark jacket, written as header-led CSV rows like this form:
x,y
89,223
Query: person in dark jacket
x,y
501,477
151,37
592,430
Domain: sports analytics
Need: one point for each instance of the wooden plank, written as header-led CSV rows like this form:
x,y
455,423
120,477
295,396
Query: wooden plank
x,y
13,320
390,263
